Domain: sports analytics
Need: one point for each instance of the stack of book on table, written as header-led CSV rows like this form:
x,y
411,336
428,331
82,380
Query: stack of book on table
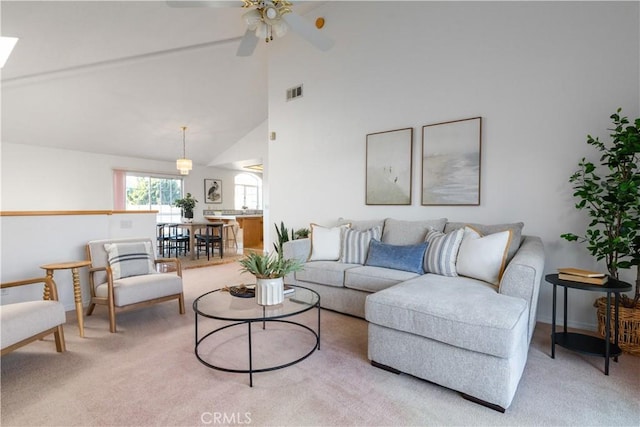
x,y
584,276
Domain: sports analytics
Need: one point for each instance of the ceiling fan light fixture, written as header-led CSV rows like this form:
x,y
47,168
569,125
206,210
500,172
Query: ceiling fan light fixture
x,y
280,28
253,19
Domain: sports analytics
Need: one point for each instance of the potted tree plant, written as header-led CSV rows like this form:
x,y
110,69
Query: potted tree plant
x,y
187,204
269,270
612,201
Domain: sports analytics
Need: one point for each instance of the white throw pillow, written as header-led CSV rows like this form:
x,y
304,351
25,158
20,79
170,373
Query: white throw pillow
x,y
483,257
326,242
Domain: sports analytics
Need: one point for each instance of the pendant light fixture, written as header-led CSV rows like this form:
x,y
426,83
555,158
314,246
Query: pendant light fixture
x,y
184,165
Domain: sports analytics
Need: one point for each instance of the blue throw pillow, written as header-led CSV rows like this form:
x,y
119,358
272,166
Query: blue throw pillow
x,y
406,258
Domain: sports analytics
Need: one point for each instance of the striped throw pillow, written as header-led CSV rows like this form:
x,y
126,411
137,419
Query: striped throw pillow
x,y
442,252
355,244
130,259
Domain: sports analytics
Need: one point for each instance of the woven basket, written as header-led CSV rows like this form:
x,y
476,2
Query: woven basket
x,y
628,325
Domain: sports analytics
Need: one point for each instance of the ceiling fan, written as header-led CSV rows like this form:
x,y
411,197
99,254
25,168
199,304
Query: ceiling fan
x,y
265,19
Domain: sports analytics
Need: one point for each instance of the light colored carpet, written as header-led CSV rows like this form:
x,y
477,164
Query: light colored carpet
x,y
147,374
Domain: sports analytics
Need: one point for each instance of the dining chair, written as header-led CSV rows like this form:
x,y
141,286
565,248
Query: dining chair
x,y
162,238
178,239
211,239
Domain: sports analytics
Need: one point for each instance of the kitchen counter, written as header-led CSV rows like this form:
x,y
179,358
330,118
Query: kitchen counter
x,y
230,217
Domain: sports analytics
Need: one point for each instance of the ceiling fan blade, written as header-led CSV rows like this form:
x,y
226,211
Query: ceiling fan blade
x,y
210,3
247,44
308,31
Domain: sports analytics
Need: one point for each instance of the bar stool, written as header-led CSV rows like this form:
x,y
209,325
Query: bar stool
x,y
230,228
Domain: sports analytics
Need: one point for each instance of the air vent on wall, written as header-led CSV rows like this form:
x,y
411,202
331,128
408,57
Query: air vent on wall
x,y
294,92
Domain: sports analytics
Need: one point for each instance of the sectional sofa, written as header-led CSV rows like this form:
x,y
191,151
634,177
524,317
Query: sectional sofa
x,y
449,302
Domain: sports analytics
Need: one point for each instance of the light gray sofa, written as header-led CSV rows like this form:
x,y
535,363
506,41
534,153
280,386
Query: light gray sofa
x,y
460,332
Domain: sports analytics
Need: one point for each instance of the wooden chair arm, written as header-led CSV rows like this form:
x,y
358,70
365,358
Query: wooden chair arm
x,y
47,281
24,282
175,261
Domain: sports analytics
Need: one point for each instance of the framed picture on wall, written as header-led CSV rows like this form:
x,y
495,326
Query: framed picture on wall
x,y
451,162
389,165
213,190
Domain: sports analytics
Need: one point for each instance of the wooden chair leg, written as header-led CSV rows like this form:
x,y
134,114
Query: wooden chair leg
x,y
59,337
112,317
90,309
181,303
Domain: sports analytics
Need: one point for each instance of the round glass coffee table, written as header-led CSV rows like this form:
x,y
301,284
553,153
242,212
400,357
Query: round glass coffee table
x,y
221,305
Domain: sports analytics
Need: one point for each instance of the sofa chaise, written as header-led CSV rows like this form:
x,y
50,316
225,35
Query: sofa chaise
x,y
449,302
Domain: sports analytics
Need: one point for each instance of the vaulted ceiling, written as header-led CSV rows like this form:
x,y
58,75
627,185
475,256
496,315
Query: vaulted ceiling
x,y
122,77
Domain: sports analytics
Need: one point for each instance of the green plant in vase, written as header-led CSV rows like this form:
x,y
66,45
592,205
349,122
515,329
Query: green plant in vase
x,y
269,270
187,204
268,266
610,195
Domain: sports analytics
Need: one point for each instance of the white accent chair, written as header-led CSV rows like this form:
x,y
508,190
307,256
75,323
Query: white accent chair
x,y
132,291
24,322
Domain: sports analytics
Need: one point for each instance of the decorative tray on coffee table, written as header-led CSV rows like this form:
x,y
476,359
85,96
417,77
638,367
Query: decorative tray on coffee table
x,y
243,291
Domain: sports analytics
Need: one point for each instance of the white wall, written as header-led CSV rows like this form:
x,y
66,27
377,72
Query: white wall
x,y
542,75
248,151
27,242
38,178
42,178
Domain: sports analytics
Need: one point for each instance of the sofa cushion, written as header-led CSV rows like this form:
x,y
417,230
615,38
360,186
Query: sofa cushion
x,y
516,229
373,279
23,320
355,244
442,252
483,257
399,257
131,290
459,311
326,242
397,232
130,259
330,273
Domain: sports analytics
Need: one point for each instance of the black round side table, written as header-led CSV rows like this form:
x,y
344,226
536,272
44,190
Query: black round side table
x,y
582,343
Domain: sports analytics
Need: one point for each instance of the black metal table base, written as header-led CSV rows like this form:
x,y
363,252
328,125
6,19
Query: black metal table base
x,y
587,344
251,370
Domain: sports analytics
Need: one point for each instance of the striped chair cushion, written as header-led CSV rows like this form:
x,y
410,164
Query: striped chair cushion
x,y
355,244
130,259
442,252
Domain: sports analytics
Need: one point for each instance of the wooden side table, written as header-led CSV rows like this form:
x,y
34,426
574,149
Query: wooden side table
x,y
77,293
588,344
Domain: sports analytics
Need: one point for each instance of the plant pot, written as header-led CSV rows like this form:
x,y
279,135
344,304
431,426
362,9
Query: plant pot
x,y
187,216
269,291
628,325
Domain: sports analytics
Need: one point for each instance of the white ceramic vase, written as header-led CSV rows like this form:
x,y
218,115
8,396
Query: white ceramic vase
x,y
270,291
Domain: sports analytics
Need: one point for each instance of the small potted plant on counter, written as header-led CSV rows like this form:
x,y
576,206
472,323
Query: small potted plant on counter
x,y
269,270
187,204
